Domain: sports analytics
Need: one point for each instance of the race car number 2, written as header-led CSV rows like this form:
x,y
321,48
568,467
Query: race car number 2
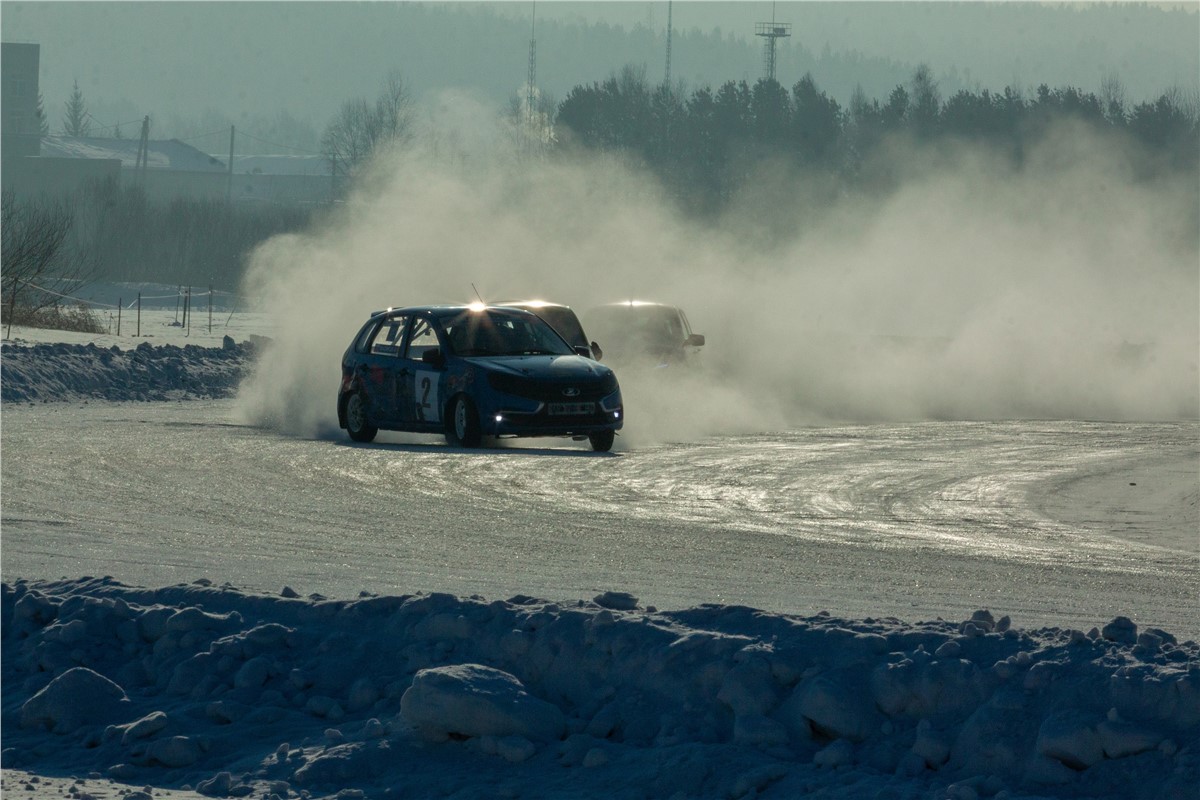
x,y
425,396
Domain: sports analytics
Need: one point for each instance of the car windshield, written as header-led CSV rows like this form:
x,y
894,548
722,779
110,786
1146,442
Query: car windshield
x,y
502,333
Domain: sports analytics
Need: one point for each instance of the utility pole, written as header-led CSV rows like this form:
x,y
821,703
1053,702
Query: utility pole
x,y
667,73
531,82
771,31
229,179
143,153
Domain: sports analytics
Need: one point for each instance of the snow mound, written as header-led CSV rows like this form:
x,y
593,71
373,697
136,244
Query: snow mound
x,y
232,694
72,372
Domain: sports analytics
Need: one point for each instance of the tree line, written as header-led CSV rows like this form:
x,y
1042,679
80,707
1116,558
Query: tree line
x,y
705,143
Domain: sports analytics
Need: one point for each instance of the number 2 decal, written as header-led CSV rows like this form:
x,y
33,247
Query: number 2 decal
x,y
425,396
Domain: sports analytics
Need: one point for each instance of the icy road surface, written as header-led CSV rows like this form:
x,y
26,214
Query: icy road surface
x,y
1054,523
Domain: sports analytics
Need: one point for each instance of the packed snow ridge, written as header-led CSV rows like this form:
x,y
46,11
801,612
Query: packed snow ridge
x,y
233,694
73,372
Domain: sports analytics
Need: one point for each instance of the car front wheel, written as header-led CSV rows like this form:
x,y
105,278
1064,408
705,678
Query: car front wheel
x,y
465,429
602,442
356,418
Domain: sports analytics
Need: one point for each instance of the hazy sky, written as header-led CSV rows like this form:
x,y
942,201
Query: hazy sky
x,y
248,59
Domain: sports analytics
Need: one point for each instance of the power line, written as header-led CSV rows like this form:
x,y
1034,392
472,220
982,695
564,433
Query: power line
x,y
203,135
277,144
107,127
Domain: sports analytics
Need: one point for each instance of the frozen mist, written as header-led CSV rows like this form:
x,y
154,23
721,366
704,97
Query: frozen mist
x,y
970,290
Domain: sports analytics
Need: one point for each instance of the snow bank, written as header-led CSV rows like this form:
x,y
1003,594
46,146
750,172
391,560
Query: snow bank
x,y
59,371
232,694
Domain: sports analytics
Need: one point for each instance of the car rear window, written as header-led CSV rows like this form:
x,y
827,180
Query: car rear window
x,y
387,337
564,321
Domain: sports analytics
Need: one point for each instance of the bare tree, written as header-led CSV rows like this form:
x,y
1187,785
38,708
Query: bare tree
x,y
1112,96
43,124
926,100
32,235
75,120
361,127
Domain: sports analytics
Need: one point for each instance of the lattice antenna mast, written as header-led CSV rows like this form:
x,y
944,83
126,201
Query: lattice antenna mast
x,y
771,31
529,86
667,72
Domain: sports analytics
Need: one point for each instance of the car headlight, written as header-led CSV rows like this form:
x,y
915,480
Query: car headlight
x,y
611,402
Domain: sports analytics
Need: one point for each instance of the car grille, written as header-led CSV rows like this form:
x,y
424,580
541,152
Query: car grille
x,y
552,391
543,421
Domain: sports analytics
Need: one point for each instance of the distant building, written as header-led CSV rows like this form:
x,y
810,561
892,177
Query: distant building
x,y
32,164
173,169
161,154
66,163
19,126
283,179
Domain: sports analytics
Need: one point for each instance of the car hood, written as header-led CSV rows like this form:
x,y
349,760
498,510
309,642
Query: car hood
x,y
557,368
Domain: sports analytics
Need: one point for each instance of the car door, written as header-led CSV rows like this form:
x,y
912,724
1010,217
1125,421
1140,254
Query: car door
x,y
382,370
419,388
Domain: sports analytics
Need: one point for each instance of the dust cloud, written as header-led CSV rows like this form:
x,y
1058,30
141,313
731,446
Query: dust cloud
x,y
969,289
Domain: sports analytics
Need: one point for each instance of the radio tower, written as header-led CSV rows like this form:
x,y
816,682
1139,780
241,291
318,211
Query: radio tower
x,y
667,73
532,69
771,31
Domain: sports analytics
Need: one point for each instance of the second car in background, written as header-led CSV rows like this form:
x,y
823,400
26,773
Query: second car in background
x,y
563,319
638,332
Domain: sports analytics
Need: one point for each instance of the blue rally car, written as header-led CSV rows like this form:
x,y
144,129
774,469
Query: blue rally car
x,y
474,371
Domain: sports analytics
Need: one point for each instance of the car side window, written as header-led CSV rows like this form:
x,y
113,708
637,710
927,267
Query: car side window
x,y
423,338
675,327
388,337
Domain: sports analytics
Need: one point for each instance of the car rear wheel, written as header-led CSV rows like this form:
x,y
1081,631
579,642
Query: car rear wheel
x,y
356,418
465,429
602,442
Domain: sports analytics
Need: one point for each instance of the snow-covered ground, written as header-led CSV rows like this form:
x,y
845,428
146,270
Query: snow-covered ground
x,y
206,689
157,352
430,695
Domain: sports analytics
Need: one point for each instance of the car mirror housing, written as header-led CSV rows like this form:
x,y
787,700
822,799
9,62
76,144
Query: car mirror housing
x,y
695,340
433,356
597,353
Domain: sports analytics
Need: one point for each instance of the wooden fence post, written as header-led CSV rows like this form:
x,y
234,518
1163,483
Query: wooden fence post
x,y
12,310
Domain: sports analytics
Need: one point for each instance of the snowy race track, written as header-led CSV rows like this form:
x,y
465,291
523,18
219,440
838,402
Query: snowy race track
x,y
1053,523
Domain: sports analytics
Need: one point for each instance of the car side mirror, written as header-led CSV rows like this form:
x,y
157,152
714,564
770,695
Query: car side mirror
x,y
695,340
433,357
597,353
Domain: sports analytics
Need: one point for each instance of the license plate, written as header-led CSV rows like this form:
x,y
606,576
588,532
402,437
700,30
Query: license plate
x,y
572,409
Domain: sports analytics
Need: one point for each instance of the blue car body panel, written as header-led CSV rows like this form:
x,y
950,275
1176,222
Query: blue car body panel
x,y
547,390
